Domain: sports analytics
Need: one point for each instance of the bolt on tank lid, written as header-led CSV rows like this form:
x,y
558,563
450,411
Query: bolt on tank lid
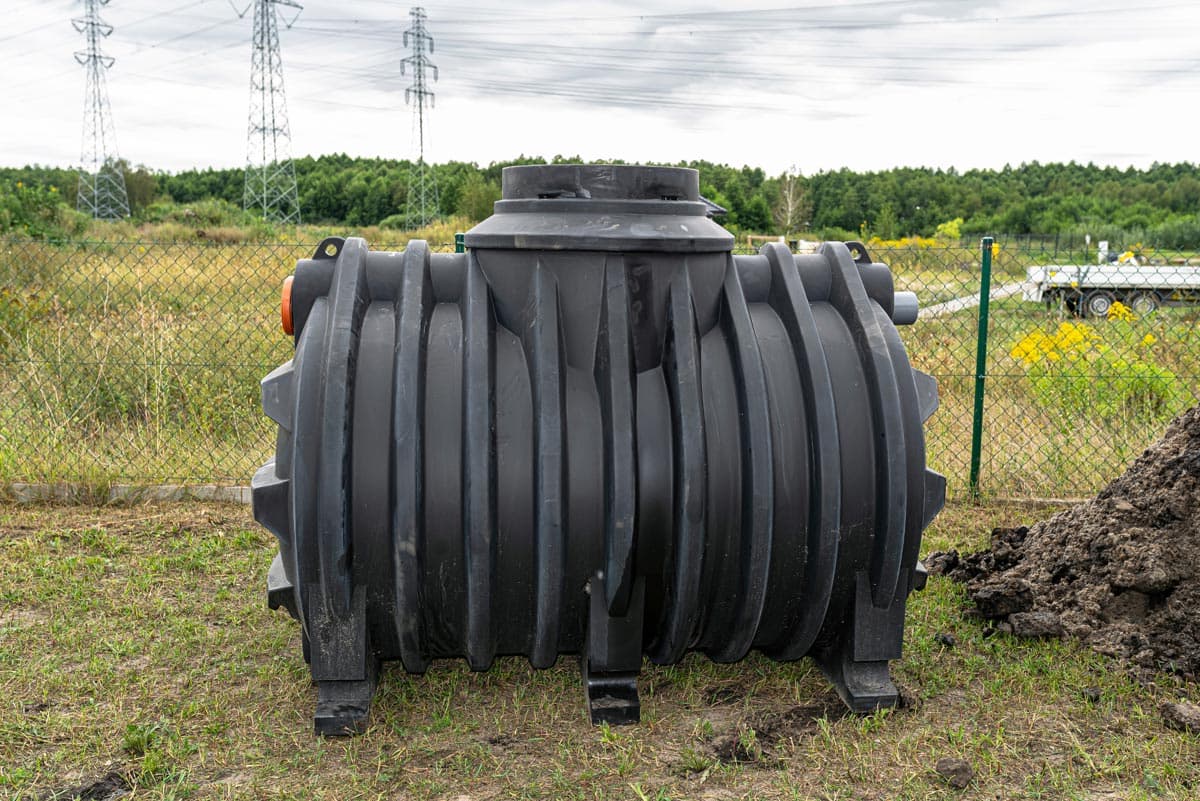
x,y
600,182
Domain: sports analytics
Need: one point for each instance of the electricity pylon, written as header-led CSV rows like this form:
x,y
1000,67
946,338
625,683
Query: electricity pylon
x,y
422,183
101,182
270,175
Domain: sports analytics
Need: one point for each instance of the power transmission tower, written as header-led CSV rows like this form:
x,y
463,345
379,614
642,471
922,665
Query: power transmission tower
x,y
101,182
270,174
422,184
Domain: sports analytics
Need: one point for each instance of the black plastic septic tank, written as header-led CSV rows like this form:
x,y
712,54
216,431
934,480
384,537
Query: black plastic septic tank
x,y
596,432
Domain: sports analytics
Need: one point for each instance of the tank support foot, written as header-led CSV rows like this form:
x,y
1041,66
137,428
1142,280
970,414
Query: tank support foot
x,y
612,657
344,706
857,664
862,686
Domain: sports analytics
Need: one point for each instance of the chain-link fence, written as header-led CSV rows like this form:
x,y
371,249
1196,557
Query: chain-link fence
x,y
140,362
1089,354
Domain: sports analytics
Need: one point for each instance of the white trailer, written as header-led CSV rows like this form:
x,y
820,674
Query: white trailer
x,y
1091,290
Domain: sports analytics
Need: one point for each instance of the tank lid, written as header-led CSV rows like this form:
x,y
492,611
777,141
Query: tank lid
x,y
600,182
609,207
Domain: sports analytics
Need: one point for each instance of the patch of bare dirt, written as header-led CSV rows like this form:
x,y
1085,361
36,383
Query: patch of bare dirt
x,y
1120,572
111,786
756,738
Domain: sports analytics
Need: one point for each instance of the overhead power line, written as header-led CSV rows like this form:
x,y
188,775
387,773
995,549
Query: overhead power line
x,y
270,188
101,183
422,186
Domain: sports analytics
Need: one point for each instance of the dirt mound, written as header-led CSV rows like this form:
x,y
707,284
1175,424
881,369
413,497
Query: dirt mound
x,y
1120,572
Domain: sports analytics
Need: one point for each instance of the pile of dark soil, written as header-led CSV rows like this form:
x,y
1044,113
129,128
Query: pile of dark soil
x,y
1120,572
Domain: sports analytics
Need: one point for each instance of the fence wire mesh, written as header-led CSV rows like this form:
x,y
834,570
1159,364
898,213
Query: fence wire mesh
x,y
139,362
1089,355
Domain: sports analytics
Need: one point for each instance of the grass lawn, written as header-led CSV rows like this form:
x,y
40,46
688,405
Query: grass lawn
x,y
136,651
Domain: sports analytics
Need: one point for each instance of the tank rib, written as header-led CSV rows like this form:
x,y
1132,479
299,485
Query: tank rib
x,y
687,424
548,374
758,475
479,464
371,472
279,404
347,305
615,379
789,300
849,297
914,442
415,305
305,448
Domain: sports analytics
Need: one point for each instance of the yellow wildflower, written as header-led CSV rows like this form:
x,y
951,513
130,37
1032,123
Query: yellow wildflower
x,y
1119,311
1070,341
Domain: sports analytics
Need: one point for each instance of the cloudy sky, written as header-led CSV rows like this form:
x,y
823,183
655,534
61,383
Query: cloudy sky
x,y
812,85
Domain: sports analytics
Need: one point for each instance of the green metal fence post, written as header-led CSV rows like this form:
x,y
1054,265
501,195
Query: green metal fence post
x,y
460,243
985,291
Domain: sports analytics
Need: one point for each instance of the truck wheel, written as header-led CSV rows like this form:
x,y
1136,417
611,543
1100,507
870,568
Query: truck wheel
x,y
1097,303
1145,302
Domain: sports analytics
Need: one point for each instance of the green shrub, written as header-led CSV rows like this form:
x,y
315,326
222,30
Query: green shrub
x,y
209,213
39,213
398,222
1106,371
836,234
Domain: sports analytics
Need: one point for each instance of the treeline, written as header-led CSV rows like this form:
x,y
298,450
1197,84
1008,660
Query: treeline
x,y
1159,205
339,189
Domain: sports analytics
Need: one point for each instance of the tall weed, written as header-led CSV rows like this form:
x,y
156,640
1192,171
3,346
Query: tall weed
x,y
1107,370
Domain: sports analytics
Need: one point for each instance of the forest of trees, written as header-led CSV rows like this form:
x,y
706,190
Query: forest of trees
x,y
1159,205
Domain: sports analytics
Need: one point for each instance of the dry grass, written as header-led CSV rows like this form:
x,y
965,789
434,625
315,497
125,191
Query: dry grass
x,y
140,362
135,644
